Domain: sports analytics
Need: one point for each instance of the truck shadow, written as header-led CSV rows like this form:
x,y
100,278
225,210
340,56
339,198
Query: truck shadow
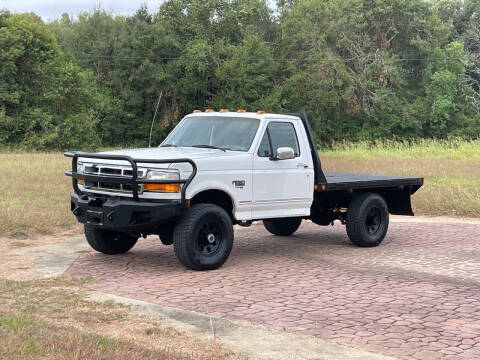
x,y
253,246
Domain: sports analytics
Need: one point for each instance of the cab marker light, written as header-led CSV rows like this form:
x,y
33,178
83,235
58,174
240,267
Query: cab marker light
x,y
197,111
224,110
260,111
241,110
209,110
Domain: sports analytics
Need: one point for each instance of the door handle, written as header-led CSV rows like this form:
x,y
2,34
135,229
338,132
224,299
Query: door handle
x,y
305,166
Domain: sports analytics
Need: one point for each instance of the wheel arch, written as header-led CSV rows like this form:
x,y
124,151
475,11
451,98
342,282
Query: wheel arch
x,y
215,196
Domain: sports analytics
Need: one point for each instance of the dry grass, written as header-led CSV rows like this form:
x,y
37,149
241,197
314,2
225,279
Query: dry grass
x,y
23,336
50,319
34,193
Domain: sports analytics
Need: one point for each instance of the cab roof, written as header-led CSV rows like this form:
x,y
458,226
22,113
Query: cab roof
x,y
250,115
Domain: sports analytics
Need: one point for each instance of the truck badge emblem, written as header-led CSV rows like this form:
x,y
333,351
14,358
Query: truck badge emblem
x,y
239,184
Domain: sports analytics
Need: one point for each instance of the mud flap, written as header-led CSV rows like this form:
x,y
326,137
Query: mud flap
x,y
399,202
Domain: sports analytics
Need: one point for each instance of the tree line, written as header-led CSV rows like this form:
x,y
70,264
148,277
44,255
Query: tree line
x,y
363,69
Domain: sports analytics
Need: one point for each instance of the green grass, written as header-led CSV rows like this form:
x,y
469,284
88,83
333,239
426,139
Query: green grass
x,y
453,149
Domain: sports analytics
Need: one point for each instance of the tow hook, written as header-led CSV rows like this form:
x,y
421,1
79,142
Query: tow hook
x,y
77,211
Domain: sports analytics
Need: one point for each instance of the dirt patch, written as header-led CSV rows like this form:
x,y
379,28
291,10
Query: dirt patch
x,y
15,264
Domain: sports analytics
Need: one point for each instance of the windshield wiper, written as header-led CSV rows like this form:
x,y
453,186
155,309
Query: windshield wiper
x,y
169,145
210,147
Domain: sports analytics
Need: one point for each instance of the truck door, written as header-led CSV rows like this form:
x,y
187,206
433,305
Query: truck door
x,y
282,188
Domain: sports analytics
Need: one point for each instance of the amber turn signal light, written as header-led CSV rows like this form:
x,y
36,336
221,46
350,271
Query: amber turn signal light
x,y
162,187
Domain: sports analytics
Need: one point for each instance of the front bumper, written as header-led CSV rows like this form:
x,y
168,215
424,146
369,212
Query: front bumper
x,y
124,215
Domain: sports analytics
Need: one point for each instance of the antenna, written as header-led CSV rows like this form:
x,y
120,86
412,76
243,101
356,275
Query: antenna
x,y
153,120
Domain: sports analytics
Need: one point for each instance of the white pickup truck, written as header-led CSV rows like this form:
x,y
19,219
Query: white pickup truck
x,y
217,169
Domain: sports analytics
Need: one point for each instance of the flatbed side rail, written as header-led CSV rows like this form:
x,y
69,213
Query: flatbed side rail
x,y
133,181
395,184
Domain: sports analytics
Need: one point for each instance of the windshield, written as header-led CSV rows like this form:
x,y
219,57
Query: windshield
x,y
227,133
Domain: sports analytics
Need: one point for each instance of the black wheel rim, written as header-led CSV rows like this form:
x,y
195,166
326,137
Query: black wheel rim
x,y
210,238
373,220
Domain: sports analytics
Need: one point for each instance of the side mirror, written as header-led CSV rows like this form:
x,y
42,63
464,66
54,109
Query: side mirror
x,y
285,153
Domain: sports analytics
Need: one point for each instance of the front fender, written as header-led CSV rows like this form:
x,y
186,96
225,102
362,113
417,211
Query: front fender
x,y
227,182
196,189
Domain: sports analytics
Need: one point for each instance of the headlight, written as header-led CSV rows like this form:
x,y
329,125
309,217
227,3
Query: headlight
x,y
80,170
162,175
156,175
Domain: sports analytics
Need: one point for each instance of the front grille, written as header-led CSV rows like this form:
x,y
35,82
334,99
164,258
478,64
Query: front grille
x,y
111,170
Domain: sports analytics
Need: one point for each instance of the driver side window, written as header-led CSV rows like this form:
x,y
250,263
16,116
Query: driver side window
x,y
278,134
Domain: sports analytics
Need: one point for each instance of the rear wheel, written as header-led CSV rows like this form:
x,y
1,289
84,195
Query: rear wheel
x,y
282,227
109,242
203,237
367,220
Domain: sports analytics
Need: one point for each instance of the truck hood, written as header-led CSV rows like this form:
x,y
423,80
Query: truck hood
x,y
205,159
160,153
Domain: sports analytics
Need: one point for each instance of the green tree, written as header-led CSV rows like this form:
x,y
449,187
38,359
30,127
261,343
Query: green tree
x,y
246,77
45,98
362,69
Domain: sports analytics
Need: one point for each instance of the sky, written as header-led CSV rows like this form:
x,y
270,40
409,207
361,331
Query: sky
x,y
51,9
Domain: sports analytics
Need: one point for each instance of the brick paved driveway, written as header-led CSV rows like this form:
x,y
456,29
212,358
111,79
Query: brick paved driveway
x,y
417,296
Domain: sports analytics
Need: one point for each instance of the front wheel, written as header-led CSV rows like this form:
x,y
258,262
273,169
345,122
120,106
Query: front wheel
x,y
109,242
282,227
367,220
203,237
